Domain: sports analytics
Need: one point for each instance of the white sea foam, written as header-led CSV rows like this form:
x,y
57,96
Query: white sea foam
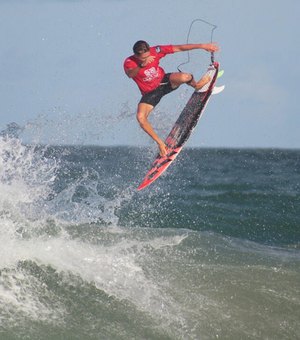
x,y
116,268
192,283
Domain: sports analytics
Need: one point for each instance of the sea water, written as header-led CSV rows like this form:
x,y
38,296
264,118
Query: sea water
x,y
211,250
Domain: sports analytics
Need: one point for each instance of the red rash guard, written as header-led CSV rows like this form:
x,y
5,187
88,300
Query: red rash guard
x,y
150,76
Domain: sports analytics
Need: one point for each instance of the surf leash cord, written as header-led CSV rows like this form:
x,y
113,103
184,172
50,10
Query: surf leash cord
x,y
212,57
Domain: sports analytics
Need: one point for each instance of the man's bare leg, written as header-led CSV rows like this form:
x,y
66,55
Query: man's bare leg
x,y
178,78
203,81
143,112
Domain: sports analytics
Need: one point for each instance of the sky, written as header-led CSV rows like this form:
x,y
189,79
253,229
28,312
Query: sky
x,y
62,78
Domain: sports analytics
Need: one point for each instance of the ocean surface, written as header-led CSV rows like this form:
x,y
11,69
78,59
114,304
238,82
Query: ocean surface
x,y
211,250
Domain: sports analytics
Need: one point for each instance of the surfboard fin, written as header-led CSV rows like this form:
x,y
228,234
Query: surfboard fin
x,y
218,89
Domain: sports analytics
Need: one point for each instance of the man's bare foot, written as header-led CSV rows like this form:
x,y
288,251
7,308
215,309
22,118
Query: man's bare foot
x,y
162,149
203,81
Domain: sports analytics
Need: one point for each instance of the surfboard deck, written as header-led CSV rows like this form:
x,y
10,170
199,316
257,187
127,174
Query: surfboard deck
x,y
183,127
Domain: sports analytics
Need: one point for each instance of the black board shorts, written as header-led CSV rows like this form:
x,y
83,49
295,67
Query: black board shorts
x,y
154,97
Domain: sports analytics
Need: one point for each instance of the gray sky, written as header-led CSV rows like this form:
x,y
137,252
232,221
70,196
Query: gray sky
x,y
61,69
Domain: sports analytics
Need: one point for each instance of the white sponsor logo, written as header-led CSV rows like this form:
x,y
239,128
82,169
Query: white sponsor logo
x,y
151,73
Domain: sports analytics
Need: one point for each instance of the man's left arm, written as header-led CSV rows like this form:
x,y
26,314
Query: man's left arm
x,y
209,47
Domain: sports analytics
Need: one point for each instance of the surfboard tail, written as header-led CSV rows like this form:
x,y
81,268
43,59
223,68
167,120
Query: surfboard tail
x,y
159,166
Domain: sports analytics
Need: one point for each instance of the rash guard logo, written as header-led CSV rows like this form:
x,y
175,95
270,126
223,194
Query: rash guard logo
x,y
150,74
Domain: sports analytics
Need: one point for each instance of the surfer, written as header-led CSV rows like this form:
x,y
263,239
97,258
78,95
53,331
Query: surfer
x,y
143,67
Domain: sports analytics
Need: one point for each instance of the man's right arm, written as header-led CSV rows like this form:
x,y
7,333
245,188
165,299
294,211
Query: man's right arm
x,y
132,69
132,72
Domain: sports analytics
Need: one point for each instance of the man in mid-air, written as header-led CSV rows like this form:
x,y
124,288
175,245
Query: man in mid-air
x,y
143,67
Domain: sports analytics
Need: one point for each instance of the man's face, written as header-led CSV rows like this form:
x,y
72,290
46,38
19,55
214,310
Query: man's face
x,y
143,56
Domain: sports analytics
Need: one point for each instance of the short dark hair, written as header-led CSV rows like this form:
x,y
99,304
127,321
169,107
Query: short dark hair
x,y
141,47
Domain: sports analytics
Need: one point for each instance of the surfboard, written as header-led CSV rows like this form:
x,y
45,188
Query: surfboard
x,y
184,126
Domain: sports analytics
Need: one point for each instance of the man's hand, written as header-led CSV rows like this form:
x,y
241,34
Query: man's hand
x,y
147,60
212,47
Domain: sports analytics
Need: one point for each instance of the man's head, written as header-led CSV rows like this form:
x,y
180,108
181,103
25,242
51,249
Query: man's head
x,y
140,47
